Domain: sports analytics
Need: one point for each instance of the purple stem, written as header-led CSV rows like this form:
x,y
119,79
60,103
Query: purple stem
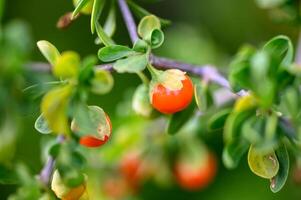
x,y
298,50
129,20
207,72
47,170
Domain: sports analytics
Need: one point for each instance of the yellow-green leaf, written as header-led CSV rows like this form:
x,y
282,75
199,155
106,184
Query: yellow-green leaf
x,y
102,82
141,104
245,103
263,165
54,108
67,65
147,25
49,51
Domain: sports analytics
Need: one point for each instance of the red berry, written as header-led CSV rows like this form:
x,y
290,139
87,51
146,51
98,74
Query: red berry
x,y
167,101
94,141
196,177
132,169
91,141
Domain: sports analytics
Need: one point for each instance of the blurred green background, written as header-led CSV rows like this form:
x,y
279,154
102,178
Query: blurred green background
x,y
203,31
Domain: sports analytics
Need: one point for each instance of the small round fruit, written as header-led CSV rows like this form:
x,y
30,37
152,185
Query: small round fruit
x,y
134,169
92,141
116,188
168,102
64,192
129,168
87,9
193,177
103,128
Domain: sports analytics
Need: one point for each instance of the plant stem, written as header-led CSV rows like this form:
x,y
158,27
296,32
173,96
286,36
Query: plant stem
x,y
143,78
47,170
208,72
129,20
298,50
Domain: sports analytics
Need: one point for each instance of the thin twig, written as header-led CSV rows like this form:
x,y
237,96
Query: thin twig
x,y
208,72
298,50
129,20
47,170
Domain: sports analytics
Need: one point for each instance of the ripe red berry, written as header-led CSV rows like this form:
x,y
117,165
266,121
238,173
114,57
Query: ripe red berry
x,y
92,140
167,101
134,169
192,177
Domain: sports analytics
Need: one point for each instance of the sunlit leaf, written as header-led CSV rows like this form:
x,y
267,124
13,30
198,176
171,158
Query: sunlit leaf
x,y
147,25
141,104
110,23
281,47
49,51
41,125
102,82
83,6
96,12
67,65
103,36
263,165
54,108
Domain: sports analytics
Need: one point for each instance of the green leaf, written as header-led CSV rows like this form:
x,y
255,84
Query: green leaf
x,y
279,180
147,25
179,119
240,73
252,129
114,52
234,122
102,82
103,36
132,64
281,47
41,125
96,12
54,108
67,65
218,120
263,165
110,23
140,46
141,12
87,70
141,104
49,51
291,101
202,96
157,38
233,152
54,150
80,4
